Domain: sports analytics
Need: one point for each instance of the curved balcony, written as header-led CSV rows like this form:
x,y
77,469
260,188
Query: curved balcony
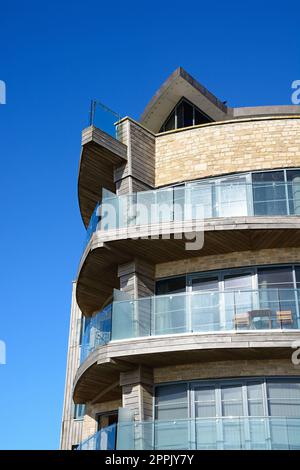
x,y
104,439
222,433
192,201
218,433
201,325
199,312
156,225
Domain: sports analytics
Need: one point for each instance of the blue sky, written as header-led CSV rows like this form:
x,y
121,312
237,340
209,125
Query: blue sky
x,y
54,57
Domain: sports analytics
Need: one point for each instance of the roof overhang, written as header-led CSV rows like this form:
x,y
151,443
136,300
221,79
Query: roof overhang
x,y
180,84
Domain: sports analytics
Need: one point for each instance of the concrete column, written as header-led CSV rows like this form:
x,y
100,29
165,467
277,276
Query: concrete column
x,y
138,173
137,278
137,392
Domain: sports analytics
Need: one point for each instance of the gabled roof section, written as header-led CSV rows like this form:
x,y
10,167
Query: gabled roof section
x,y
180,84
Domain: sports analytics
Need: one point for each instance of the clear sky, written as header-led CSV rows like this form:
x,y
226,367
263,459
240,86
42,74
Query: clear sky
x,y
54,57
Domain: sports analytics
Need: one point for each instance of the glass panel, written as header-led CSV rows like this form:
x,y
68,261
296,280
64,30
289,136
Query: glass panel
x,y
169,314
105,439
254,391
171,402
179,111
170,123
97,332
293,178
205,406
204,195
232,404
205,311
275,277
131,318
179,195
93,224
277,308
171,286
255,408
237,302
187,114
205,283
164,205
79,411
103,118
212,433
111,214
233,434
269,193
297,273
146,208
255,399
206,431
175,436
201,118
285,433
232,197
238,281
284,399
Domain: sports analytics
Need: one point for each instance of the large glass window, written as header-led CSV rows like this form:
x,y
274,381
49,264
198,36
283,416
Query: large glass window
x,y
275,277
249,298
171,402
185,114
269,193
293,184
276,397
211,414
260,193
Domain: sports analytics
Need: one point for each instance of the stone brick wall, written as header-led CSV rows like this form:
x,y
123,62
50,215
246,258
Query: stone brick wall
x,y
90,418
222,369
226,147
228,260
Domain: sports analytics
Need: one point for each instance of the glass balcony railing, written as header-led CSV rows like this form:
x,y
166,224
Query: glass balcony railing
x,y
105,439
104,118
96,333
224,433
196,201
206,311
193,312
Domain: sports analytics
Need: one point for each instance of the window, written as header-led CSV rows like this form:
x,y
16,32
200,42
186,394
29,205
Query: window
x,y
205,402
284,399
269,193
185,114
275,277
79,411
264,277
173,285
274,397
107,419
171,402
240,298
293,183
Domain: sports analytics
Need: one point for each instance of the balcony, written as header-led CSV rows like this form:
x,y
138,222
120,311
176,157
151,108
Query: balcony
x,y
223,433
105,439
101,152
192,201
209,312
